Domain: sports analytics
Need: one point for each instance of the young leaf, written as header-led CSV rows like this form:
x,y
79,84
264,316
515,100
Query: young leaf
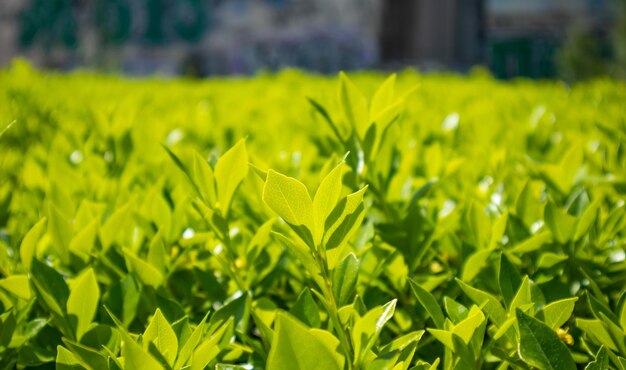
x,y
147,274
383,97
296,347
50,286
160,333
601,362
429,302
87,357
83,301
475,263
456,311
478,226
60,230
65,360
188,347
522,297
557,313
230,170
17,285
28,247
306,310
540,347
204,179
211,347
345,279
509,279
466,328
561,224
290,199
489,303
367,329
110,230
326,198
344,220
135,357
353,104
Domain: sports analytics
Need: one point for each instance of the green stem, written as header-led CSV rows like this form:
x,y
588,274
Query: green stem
x,y
333,311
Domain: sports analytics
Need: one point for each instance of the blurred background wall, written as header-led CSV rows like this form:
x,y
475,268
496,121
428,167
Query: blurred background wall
x,y
534,38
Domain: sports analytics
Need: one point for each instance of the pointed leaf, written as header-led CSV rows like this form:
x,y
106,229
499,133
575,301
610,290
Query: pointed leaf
x,y
306,310
540,346
290,199
557,313
230,170
428,301
326,198
28,247
83,301
345,278
296,347
161,334
353,104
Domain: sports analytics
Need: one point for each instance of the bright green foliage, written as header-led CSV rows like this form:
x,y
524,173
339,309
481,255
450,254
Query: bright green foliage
x,y
540,346
292,221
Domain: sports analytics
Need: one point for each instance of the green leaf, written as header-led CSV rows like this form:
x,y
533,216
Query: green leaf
x,y
204,179
83,242
489,303
561,224
345,278
367,329
587,218
428,301
230,170
344,220
597,332
456,311
509,279
8,324
147,274
548,260
50,286
188,347
384,97
211,347
28,247
522,297
557,313
110,230
540,346
135,357
83,301
290,199
533,243
296,347
65,360
60,230
181,166
306,310
86,356
478,226
160,333
601,362
326,198
322,111
498,229
466,328
353,104
17,285
475,263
